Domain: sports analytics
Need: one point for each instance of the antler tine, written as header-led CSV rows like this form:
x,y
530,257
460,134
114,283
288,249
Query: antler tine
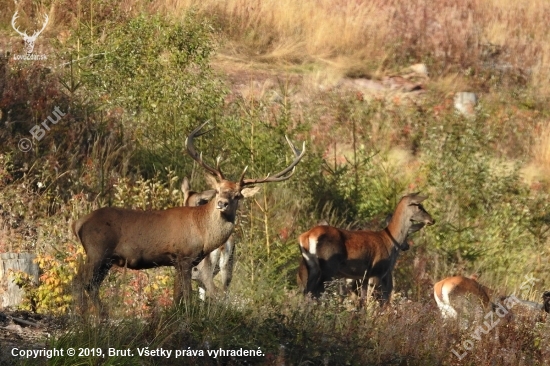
x,y
198,157
283,174
241,179
13,19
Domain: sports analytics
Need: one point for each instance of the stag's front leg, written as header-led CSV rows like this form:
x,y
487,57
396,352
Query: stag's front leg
x,y
182,282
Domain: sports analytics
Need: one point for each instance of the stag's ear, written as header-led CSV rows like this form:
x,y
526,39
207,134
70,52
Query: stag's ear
x,y
249,192
212,181
185,188
415,198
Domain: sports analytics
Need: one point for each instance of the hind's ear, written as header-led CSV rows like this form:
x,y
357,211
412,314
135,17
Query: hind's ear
x,y
212,181
185,185
416,198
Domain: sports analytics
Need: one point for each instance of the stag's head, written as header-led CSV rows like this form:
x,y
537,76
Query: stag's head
x,y
29,40
228,193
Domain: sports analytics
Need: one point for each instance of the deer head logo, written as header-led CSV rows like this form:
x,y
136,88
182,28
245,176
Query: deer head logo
x,y
29,40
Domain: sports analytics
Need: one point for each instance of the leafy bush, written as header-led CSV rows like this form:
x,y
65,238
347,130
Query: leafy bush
x,y
50,295
480,203
157,72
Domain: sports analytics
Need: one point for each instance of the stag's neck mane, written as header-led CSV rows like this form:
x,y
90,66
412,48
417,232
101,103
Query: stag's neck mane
x,y
218,226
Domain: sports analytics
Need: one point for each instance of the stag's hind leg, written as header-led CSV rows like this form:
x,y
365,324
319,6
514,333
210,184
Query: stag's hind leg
x,y
182,281
99,274
313,284
87,283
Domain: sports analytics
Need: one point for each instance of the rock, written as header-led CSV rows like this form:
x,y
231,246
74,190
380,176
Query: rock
x,y
420,69
465,103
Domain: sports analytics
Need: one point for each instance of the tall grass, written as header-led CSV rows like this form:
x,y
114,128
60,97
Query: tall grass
x,y
498,37
477,36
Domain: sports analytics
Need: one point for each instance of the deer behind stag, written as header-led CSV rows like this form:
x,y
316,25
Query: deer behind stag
x,y
179,237
220,260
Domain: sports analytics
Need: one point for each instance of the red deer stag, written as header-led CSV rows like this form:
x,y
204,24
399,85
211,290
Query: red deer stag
x,y
179,237
459,293
220,260
366,255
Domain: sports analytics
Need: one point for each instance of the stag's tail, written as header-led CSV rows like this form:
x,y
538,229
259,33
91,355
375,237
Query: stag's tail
x,y
76,226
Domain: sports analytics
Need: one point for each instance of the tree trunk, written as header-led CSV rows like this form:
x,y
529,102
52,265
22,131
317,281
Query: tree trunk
x,y
10,293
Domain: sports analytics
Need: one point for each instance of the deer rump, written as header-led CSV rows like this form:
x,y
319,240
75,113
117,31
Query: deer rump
x,y
382,291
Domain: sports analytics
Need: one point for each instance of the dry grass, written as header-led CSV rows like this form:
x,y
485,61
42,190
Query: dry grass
x,y
537,172
542,148
476,36
501,37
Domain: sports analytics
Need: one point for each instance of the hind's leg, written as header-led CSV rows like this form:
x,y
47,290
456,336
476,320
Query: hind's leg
x,y
226,263
313,285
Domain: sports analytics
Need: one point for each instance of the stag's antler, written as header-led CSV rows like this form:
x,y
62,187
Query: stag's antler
x,y
298,155
198,157
280,176
13,19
